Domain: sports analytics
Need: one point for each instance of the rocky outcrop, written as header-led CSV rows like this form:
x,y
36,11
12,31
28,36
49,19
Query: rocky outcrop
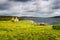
x,y
41,24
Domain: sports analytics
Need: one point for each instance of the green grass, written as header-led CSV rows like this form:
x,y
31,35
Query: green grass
x,y
57,27
25,30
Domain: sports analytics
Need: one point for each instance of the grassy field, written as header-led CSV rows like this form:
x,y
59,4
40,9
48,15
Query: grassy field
x,y
26,30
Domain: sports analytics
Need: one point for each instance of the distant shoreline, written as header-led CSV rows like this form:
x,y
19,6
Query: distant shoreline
x,y
31,17
56,17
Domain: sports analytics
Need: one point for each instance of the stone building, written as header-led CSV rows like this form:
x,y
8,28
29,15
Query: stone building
x,y
15,19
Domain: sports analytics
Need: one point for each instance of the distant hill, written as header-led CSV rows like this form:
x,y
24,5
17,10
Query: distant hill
x,y
5,18
56,17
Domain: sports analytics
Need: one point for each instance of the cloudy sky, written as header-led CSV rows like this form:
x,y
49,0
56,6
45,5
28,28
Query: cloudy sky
x,y
35,8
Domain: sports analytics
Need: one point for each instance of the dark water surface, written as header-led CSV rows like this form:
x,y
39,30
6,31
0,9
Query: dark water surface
x,y
45,20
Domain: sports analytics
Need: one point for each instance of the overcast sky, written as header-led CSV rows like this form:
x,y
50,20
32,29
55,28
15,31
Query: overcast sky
x,y
36,8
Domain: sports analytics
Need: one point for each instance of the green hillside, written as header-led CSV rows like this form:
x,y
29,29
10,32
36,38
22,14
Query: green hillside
x,y
27,30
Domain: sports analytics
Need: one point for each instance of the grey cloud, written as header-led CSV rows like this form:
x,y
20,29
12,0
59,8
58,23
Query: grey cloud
x,y
56,7
56,4
4,6
36,8
20,0
45,0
